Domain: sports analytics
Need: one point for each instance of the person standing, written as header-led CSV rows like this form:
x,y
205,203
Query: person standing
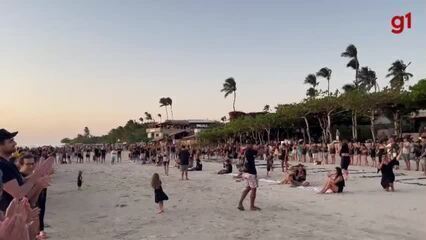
x,y
345,159
250,175
184,156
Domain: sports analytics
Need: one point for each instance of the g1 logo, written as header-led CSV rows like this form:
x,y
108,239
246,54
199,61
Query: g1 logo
x,y
398,23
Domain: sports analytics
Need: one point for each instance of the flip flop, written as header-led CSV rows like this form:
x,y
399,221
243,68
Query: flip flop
x,y
255,209
241,208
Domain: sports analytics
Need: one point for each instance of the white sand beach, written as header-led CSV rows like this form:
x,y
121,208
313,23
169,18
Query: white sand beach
x,y
117,202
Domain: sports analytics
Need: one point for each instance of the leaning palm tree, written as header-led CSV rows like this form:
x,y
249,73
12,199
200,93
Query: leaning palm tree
x,y
352,53
169,102
325,72
367,79
311,79
266,108
398,74
229,87
159,116
164,103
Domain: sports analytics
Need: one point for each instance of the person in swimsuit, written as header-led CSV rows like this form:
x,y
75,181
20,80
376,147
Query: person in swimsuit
x,y
335,182
364,154
372,152
332,150
351,153
304,151
406,150
269,163
296,176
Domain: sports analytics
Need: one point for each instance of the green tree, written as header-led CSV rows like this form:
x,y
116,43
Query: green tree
x,y
164,103
169,102
311,79
399,75
367,79
86,132
352,53
325,73
148,116
230,87
266,108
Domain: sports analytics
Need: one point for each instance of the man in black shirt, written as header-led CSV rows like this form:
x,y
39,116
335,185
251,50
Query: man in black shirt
x,y
250,175
14,185
184,156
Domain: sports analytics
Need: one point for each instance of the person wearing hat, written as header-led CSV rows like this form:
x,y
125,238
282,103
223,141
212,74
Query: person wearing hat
x,y
14,185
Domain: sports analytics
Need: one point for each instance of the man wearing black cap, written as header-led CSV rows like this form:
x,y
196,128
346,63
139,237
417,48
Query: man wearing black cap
x,y
13,183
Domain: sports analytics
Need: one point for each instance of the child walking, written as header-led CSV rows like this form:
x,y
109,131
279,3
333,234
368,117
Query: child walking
x,y
160,196
79,179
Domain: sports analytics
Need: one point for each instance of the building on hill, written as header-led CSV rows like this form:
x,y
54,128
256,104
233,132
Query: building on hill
x,y
178,129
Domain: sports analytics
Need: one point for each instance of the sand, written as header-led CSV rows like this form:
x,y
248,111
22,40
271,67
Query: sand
x,y
117,202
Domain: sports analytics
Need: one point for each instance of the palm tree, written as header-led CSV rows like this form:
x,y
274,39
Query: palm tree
x,y
169,102
159,116
368,79
223,119
230,86
325,72
266,108
398,74
348,87
164,103
352,53
141,119
312,80
148,116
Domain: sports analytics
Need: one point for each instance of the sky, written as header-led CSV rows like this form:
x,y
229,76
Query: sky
x,y
69,64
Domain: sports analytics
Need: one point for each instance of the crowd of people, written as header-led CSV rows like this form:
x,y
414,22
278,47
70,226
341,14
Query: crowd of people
x,y
26,172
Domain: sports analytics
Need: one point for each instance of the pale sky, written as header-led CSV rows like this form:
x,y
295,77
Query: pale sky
x,y
65,65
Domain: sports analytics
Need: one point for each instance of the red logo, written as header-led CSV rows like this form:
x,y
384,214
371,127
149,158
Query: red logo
x,y
398,23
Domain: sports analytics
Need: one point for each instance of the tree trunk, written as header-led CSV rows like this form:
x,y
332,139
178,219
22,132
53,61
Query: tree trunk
x,y
171,110
330,135
167,113
241,139
303,134
372,126
233,104
354,126
307,129
268,132
322,129
328,86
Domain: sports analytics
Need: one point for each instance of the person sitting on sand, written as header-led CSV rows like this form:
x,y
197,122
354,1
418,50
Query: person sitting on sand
x,y
296,176
334,183
227,167
198,166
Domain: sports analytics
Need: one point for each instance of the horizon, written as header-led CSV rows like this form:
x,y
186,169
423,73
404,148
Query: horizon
x,y
68,65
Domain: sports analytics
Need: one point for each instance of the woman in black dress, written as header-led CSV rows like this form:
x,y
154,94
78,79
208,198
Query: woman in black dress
x,y
160,196
388,177
345,158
